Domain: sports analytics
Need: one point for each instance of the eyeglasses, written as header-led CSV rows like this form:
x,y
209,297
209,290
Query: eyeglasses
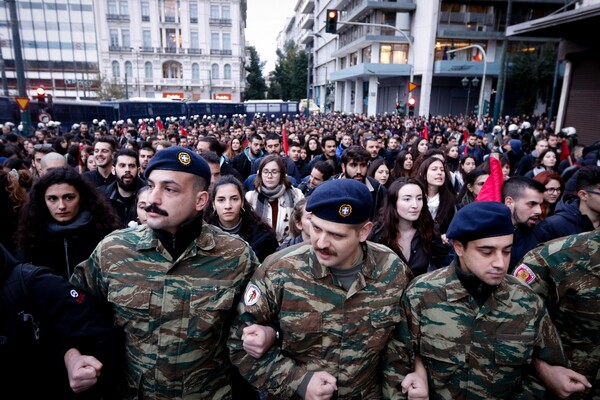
x,y
593,192
274,172
553,190
45,146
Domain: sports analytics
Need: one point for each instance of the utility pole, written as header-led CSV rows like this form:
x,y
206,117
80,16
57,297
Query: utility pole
x,y
19,66
499,101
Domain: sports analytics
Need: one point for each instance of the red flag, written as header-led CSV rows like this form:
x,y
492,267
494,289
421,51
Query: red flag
x,y
465,136
182,131
491,190
426,132
286,146
160,125
564,150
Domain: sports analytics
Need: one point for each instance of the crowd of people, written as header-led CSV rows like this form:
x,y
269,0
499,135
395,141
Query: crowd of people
x,y
341,256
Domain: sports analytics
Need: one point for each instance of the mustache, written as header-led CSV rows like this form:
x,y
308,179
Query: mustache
x,y
326,251
153,208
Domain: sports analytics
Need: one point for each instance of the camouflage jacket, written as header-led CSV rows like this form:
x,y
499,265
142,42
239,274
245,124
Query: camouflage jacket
x,y
566,273
471,352
324,327
176,314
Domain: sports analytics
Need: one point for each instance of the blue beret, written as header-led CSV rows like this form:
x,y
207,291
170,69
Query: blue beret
x,y
481,219
345,201
177,158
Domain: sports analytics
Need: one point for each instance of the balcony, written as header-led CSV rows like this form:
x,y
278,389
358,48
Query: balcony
x,y
120,49
220,52
363,36
117,18
222,83
170,50
358,9
193,20
220,21
194,51
307,21
146,49
452,18
145,18
307,6
168,19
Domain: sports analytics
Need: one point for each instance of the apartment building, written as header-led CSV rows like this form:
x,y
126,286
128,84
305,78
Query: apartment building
x,y
367,66
188,49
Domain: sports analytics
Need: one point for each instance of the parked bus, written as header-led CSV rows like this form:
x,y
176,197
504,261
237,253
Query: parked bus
x,y
275,108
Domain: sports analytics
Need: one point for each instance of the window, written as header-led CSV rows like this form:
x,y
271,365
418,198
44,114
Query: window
x,y
148,70
227,71
214,11
225,12
366,55
114,37
126,39
194,12
128,70
214,41
172,70
194,40
226,41
195,72
147,38
393,53
353,59
171,37
112,7
145,11
116,70
123,9
214,71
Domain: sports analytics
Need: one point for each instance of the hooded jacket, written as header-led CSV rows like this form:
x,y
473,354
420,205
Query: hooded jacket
x,y
567,220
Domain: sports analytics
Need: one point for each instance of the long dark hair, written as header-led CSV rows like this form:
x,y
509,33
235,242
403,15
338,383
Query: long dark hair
x,y
283,178
389,219
398,171
447,207
251,221
35,214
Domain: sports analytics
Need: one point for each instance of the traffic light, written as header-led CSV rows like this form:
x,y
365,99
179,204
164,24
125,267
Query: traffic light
x,y
411,106
486,107
41,97
331,22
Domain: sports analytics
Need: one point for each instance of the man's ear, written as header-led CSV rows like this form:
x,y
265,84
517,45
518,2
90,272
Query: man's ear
x,y
201,200
364,231
509,202
459,248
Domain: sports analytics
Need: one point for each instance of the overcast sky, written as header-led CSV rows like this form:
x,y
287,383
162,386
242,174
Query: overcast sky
x,y
266,18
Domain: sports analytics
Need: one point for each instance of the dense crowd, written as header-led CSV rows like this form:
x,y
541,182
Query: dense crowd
x,y
67,197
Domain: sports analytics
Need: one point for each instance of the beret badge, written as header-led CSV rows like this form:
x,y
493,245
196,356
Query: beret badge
x,y
184,158
345,210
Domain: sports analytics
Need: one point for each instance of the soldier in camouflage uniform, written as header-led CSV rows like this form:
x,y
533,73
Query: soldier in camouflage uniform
x,y
335,302
471,331
566,273
173,284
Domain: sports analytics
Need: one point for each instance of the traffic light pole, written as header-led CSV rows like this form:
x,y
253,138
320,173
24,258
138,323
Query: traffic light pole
x,y
481,92
408,39
19,66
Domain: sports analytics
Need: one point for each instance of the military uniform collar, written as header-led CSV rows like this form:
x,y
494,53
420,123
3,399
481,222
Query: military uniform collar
x,y
455,291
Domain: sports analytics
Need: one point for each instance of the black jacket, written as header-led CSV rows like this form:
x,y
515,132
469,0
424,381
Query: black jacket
x,y
567,220
125,207
41,317
378,192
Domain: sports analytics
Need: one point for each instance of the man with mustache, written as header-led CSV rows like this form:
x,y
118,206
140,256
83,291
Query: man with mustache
x,y
325,309
355,162
123,192
173,284
524,197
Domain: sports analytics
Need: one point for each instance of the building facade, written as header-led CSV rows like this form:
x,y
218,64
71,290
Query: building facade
x,y
187,49
367,66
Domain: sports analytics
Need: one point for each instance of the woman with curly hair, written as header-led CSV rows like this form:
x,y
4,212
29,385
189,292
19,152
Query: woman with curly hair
x,y
405,225
233,214
14,186
63,221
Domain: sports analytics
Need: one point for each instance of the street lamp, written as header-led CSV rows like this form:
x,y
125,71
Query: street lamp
x,y
476,46
468,83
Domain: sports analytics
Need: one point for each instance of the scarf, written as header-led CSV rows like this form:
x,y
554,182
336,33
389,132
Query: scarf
x,y
265,195
82,219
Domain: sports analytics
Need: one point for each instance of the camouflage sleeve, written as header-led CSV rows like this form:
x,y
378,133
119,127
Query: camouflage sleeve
x,y
534,271
400,355
274,372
